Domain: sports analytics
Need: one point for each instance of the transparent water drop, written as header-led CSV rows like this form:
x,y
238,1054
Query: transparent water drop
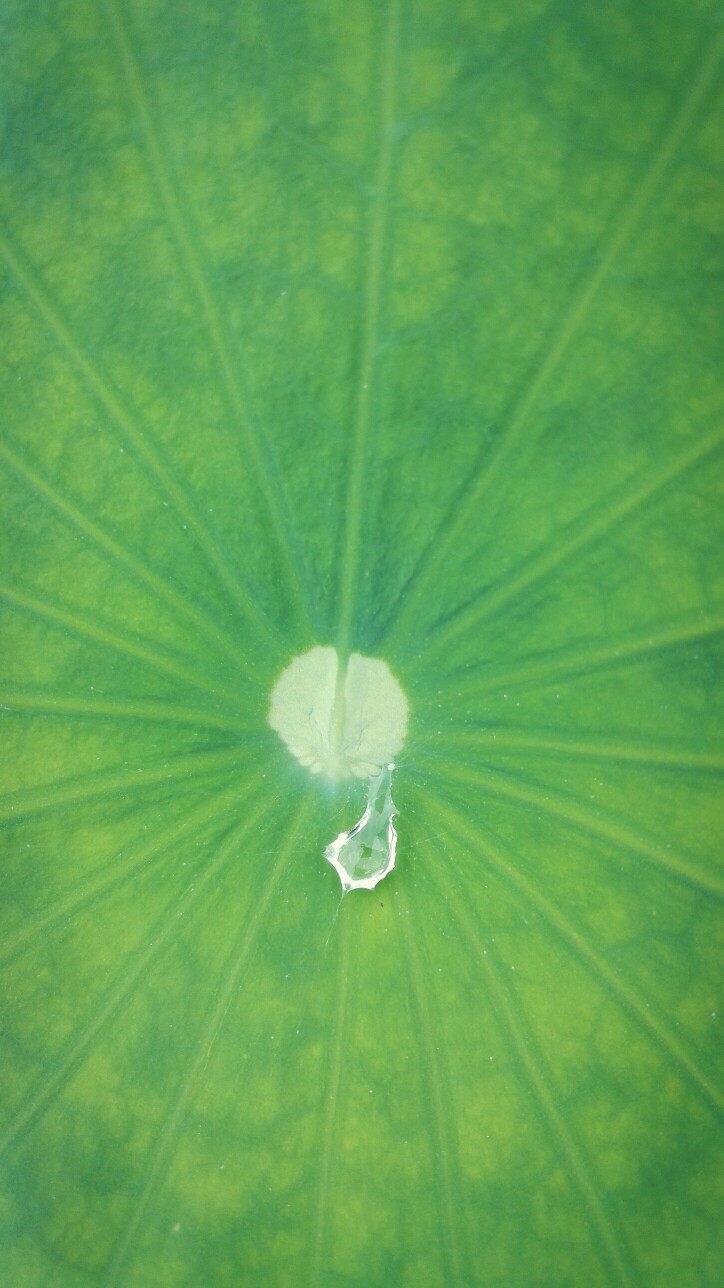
x,y
364,855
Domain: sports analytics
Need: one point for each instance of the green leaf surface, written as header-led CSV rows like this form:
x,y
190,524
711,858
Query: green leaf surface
x,y
390,325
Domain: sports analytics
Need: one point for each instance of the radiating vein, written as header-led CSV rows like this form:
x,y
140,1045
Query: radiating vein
x,y
189,1084
366,371
443,1145
331,1108
520,1039
629,996
114,875
552,666
115,782
138,439
256,444
121,554
576,816
587,748
453,525
568,543
119,993
73,621
38,702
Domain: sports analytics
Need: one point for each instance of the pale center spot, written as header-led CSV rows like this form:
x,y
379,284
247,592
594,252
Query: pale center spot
x,y
344,721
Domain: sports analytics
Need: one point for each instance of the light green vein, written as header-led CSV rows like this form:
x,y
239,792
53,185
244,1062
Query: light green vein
x,y
443,1132
570,542
82,1043
114,782
98,885
586,748
451,532
604,828
257,447
330,1105
365,375
521,1041
37,702
188,1087
129,645
641,1008
111,546
550,667
138,439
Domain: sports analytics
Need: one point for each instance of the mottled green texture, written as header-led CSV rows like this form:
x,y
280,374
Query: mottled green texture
x,y
391,326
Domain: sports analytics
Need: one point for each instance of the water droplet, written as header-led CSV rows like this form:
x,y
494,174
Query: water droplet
x,y
364,855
